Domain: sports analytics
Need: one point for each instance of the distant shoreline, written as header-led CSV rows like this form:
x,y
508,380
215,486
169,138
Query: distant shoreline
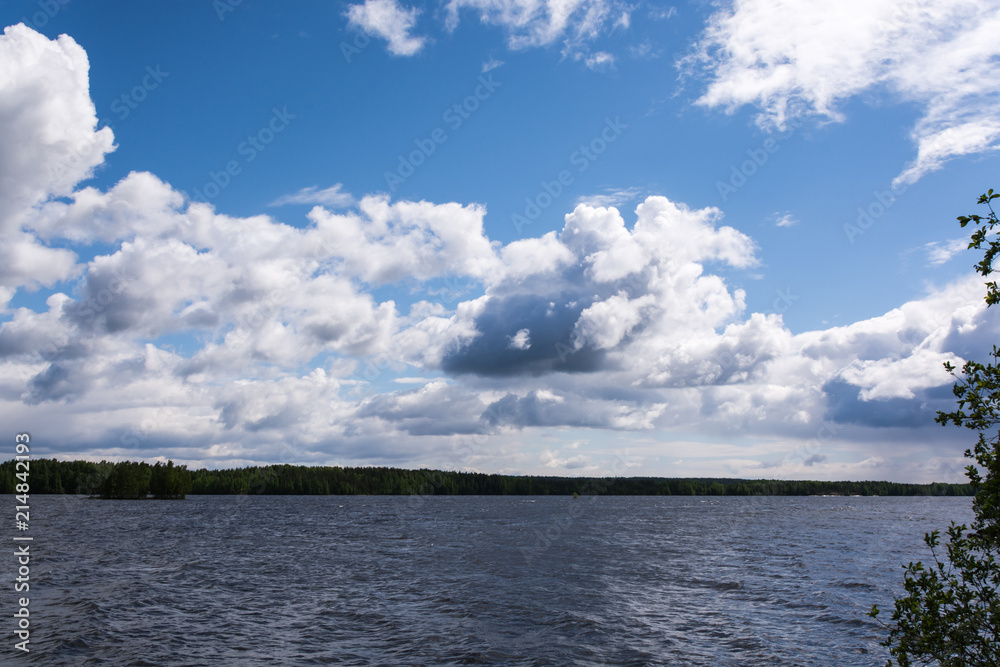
x,y
49,476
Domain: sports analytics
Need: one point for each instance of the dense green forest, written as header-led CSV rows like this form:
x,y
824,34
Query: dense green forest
x,y
138,480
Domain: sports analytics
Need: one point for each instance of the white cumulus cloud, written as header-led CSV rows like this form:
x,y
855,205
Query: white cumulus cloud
x,y
210,338
809,57
390,21
48,123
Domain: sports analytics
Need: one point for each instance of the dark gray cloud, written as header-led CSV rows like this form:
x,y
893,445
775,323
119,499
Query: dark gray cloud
x,y
975,341
428,411
55,383
233,413
814,459
14,342
106,305
549,323
542,408
844,406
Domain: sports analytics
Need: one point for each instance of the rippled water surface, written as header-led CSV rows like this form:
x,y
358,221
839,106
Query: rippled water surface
x,y
468,580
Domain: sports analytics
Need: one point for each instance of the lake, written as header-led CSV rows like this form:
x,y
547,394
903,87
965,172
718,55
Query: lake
x,y
494,580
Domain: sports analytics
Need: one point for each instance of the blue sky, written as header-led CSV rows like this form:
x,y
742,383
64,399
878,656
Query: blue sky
x,y
532,237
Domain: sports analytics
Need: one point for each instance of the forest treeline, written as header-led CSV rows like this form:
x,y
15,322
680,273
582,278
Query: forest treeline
x,y
138,480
